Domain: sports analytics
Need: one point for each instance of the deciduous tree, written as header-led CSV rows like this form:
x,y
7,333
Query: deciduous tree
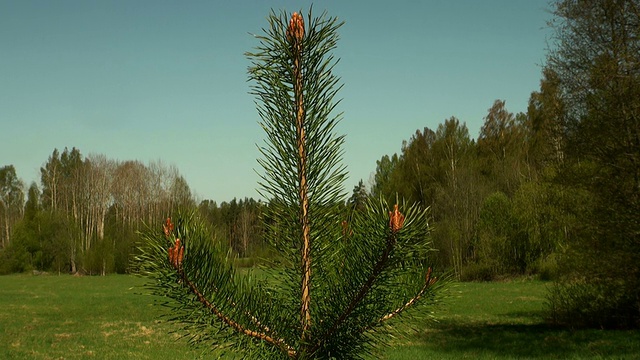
x,y
11,202
501,146
596,56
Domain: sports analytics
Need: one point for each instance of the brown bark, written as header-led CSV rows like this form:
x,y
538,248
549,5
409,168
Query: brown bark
x,y
295,34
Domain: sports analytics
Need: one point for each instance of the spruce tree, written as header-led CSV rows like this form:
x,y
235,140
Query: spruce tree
x,y
340,279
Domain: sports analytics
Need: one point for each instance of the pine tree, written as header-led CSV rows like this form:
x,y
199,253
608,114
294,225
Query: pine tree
x,y
337,284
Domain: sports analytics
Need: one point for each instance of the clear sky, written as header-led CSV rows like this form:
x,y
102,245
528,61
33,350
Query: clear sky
x,y
167,80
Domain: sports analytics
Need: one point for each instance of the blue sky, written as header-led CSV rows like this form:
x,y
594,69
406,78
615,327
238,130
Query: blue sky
x,y
167,80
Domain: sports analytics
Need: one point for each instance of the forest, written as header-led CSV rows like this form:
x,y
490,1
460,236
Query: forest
x,y
496,211
553,192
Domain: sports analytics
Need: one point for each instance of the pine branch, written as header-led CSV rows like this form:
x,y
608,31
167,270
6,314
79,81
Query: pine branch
x,y
396,221
176,259
427,284
280,343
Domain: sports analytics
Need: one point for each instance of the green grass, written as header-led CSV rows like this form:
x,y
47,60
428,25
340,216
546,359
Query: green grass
x,y
66,317
505,320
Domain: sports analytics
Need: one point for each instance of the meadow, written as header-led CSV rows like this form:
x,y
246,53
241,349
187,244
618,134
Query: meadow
x,y
68,317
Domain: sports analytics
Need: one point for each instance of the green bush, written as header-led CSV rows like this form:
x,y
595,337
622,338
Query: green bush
x,y
587,304
14,259
481,271
546,268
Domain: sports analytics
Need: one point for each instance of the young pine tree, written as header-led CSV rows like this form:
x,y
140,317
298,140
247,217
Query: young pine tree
x,y
339,281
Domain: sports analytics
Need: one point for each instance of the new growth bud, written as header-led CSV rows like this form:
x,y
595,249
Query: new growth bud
x,y
176,254
167,227
295,31
396,219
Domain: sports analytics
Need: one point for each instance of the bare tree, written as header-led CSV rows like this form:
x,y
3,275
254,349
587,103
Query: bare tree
x,y
11,202
130,190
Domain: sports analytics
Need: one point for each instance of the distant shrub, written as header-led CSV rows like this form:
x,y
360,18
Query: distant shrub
x,y
478,272
546,268
587,304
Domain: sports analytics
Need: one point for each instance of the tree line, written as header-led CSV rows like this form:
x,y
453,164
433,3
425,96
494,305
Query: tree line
x,y
494,212
86,213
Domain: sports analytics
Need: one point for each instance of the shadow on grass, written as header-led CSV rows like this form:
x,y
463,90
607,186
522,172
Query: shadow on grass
x,y
538,340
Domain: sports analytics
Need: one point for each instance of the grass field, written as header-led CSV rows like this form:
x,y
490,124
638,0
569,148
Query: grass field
x,y
66,317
